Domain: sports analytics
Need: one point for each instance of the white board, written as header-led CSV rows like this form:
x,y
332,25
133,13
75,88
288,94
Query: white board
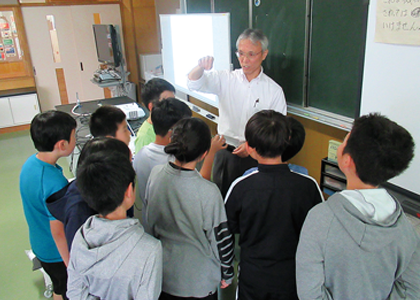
x,y
188,37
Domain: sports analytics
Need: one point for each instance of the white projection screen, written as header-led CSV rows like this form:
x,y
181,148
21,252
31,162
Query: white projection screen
x,y
188,37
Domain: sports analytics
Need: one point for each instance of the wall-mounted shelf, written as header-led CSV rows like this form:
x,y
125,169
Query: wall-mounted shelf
x,y
107,83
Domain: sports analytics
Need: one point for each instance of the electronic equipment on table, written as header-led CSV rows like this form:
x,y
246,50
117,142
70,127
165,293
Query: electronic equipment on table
x,y
82,111
132,110
111,72
106,75
107,43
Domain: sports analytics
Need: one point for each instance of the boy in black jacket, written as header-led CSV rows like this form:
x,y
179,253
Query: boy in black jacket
x,y
267,208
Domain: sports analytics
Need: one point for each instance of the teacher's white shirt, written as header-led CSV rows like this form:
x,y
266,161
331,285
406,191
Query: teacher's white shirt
x,y
239,99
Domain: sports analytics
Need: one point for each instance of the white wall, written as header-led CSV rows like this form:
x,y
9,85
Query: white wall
x,y
391,85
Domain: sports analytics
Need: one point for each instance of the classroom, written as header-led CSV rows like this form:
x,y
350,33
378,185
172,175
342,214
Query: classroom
x,y
333,66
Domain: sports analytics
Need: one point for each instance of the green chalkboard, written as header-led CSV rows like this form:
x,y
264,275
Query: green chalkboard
x,y
239,21
336,56
316,51
198,6
284,24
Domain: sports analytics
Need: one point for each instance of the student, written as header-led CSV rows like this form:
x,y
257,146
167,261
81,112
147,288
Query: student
x,y
267,208
111,256
154,90
241,93
186,212
296,141
359,244
67,205
109,120
165,114
53,134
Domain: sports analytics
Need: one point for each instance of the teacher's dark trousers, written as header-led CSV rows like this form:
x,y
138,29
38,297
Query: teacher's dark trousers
x,y
227,167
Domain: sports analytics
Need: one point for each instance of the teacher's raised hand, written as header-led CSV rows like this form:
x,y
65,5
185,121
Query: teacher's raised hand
x,y
206,62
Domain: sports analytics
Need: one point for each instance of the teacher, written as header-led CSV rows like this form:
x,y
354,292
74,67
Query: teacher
x,y
241,93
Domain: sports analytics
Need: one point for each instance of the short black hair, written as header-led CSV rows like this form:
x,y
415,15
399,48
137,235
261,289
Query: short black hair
x,y
105,120
296,140
380,148
103,143
49,127
190,139
268,132
104,175
166,113
153,88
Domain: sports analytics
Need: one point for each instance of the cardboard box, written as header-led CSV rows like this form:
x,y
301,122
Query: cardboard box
x,y
150,65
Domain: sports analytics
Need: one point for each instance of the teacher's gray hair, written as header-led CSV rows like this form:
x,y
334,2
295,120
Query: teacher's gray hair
x,y
255,36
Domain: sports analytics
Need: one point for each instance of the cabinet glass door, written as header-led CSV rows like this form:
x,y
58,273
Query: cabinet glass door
x,y
9,38
14,58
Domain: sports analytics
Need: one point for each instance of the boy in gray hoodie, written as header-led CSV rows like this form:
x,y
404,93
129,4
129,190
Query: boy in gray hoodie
x,y
111,256
359,244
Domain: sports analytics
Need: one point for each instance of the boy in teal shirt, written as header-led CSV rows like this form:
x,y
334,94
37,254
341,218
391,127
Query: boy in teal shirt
x,y
53,134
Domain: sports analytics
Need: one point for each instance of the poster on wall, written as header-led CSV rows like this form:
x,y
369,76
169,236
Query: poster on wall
x,y
398,22
9,41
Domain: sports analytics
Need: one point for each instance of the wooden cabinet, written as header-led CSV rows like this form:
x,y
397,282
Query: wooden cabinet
x,y
6,118
15,63
140,33
18,110
24,108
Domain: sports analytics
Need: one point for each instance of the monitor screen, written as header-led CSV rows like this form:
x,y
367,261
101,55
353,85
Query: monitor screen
x,y
107,47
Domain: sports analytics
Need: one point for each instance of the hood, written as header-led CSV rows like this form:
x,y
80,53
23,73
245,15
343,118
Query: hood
x,y
57,202
369,234
101,240
375,204
62,202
